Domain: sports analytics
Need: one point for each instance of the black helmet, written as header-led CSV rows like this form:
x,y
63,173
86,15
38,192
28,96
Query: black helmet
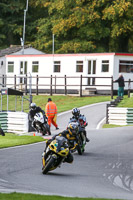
x,y
49,99
75,111
33,106
73,128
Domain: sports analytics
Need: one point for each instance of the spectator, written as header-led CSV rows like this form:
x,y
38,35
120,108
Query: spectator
x,y
51,112
121,85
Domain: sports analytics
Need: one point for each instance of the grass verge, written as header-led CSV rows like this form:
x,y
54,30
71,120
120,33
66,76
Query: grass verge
x,y
10,140
16,196
63,103
126,102
111,126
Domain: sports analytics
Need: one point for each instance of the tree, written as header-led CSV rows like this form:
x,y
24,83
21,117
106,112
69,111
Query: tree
x,y
78,25
120,15
10,21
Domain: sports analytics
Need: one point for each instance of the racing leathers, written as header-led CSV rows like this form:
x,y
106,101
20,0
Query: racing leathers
x,y
81,119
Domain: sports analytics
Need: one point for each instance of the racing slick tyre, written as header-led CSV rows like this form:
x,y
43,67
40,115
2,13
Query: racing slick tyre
x,y
46,129
49,164
80,152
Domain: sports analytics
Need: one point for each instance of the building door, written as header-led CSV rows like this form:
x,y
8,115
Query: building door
x,y
91,71
23,71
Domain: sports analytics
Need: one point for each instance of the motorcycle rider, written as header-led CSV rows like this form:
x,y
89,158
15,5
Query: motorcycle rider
x,y
33,110
76,117
71,134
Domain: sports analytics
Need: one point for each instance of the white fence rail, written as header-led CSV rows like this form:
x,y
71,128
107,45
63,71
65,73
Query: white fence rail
x,y
14,122
120,116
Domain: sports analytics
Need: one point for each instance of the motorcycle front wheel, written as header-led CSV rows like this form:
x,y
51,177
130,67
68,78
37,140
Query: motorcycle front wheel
x,y
49,165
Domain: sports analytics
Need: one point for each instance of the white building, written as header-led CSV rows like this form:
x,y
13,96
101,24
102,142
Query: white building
x,y
90,65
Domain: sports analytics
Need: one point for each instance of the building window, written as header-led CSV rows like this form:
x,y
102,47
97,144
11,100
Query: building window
x,y
35,66
105,65
126,66
10,67
79,66
57,66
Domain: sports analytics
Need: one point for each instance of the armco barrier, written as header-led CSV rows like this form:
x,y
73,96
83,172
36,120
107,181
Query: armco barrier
x,y
15,122
120,116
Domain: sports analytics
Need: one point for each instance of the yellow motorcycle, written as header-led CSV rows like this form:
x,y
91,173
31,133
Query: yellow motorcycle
x,y
56,153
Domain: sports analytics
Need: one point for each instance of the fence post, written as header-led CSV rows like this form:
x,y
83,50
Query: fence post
x,y
55,85
51,86
36,84
112,88
65,85
107,106
3,82
26,85
81,86
15,82
129,87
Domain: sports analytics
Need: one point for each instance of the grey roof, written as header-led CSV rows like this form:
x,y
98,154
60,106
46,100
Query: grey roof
x,y
17,49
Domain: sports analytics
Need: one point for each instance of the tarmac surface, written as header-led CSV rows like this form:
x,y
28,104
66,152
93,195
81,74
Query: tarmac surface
x,y
105,170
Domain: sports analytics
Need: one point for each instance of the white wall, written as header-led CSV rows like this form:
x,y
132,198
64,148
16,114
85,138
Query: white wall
x,y
68,67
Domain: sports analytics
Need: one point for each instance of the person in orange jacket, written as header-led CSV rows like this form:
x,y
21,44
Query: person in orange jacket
x,y
51,112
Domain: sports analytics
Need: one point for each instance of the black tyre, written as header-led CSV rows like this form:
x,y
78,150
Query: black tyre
x,y
80,152
49,164
80,148
46,129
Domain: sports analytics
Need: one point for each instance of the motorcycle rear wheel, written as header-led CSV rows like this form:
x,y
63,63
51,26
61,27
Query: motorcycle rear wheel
x,y
80,147
46,129
48,165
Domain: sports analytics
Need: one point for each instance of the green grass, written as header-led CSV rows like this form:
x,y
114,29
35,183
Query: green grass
x,y
126,102
63,103
111,126
10,140
19,196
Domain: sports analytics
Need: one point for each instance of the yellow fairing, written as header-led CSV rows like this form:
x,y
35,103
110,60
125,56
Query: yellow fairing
x,y
43,161
74,147
63,151
70,137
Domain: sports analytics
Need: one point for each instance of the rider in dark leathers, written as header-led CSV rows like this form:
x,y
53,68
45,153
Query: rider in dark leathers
x,y
76,117
33,110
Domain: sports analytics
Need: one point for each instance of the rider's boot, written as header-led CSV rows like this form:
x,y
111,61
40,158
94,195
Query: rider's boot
x,y
87,140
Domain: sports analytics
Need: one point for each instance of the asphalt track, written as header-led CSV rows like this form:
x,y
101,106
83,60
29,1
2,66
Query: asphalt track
x,y
104,171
